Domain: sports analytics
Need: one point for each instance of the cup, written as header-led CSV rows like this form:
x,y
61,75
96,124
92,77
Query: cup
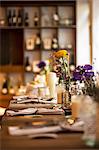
x,y
30,43
61,94
59,90
75,106
47,43
88,114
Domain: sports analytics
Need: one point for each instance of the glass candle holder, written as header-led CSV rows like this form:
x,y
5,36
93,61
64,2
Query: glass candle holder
x,y
88,115
75,106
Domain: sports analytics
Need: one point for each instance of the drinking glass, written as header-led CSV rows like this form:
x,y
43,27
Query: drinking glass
x,y
88,115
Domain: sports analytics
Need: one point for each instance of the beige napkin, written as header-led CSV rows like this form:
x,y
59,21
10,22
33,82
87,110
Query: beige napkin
x,y
29,105
26,111
15,130
50,111
77,126
29,111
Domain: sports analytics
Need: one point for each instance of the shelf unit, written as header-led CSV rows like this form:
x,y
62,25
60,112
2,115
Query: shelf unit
x,y
13,50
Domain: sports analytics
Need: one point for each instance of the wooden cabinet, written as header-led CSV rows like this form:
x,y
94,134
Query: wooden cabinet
x,y
42,22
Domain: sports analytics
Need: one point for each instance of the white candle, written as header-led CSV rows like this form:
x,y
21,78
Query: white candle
x,y
51,83
2,111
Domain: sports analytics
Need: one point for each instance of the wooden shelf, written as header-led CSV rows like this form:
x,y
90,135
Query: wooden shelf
x,y
37,28
28,71
46,49
13,38
34,50
68,27
11,68
11,27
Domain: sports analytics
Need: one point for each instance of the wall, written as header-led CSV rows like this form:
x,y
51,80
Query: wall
x,y
83,47
95,28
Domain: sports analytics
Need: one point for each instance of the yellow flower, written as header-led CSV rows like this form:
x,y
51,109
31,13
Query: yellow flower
x,y
50,60
61,53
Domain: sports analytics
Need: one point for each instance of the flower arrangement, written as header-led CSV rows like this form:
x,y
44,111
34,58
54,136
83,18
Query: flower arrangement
x,y
85,74
60,65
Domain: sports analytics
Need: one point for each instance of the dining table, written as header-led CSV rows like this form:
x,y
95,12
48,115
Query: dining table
x,y
69,140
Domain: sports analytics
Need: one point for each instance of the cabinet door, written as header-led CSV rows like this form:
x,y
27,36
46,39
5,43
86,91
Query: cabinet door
x,y
11,47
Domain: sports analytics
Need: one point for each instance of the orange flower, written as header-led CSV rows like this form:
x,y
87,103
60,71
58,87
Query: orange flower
x,y
61,53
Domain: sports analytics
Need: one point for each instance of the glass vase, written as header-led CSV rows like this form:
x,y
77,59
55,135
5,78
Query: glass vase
x,y
88,115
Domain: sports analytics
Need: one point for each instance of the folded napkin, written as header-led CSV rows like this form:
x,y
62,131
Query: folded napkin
x,y
29,111
20,97
15,130
77,126
26,111
29,105
22,101
36,100
50,111
28,99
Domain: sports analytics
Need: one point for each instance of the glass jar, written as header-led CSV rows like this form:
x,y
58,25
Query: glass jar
x,y
88,115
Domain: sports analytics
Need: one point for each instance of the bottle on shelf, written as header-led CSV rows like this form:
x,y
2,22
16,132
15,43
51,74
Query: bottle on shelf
x,y
19,18
54,43
9,18
5,87
36,20
11,90
55,19
26,19
28,65
38,41
14,18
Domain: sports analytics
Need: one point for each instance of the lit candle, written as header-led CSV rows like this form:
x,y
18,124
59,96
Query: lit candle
x,y
2,111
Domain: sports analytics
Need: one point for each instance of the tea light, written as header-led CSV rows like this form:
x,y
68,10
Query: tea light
x,y
2,22
2,111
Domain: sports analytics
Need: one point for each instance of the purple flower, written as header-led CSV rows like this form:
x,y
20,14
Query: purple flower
x,y
77,76
89,74
79,68
88,67
42,64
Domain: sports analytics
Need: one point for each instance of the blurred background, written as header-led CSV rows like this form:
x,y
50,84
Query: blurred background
x,y
31,30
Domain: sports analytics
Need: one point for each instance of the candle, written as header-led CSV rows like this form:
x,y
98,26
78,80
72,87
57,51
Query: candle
x,y
51,83
2,111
